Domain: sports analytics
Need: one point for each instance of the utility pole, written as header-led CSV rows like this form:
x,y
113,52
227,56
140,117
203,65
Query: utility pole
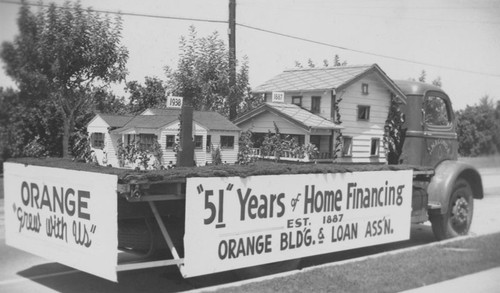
x,y
233,103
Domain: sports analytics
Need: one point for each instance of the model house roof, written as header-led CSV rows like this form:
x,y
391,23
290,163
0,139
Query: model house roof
x,y
157,118
292,113
209,119
114,121
326,78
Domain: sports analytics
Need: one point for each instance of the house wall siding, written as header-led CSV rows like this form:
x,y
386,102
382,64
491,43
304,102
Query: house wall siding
x,y
264,122
325,104
228,155
362,132
106,155
170,155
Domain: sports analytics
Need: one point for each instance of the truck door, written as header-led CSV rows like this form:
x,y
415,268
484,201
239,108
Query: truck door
x,y
439,129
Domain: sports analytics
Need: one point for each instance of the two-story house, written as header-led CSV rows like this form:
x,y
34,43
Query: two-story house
x,y
313,98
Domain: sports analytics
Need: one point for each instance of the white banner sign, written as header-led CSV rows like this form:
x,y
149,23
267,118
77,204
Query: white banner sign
x,y
63,215
238,222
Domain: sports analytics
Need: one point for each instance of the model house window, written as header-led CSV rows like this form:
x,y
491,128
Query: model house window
x,y
98,140
146,141
346,146
364,88
227,142
170,142
131,139
208,147
315,104
375,146
315,140
297,100
363,113
198,141
436,112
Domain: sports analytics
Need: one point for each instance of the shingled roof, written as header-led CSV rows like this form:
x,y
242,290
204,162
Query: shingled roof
x,y
292,113
161,117
208,119
114,121
325,78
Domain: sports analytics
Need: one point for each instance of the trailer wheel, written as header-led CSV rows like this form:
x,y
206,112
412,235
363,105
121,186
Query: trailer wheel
x,y
456,221
268,269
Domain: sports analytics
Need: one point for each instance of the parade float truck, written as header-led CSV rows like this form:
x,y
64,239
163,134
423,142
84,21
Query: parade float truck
x,y
233,217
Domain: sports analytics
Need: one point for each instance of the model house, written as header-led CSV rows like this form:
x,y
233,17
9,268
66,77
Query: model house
x,y
211,131
310,100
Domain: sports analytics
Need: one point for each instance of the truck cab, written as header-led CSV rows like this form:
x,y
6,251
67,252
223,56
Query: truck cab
x,y
430,124
430,140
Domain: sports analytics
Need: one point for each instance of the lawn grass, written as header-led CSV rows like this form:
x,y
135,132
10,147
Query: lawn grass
x,y
392,272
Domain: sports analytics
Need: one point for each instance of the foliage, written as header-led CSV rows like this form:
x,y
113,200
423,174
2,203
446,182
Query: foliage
x,y
81,147
61,54
422,76
157,153
202,74
35,149
153,94
478,128
216,157
245,148
23,118
276,145
133,153
310,63
338,121
394,133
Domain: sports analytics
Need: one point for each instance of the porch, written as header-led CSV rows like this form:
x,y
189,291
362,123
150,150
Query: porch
x,y
294,148
292,156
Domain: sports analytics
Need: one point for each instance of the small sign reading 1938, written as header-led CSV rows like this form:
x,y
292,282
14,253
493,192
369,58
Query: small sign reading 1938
x,y
174,102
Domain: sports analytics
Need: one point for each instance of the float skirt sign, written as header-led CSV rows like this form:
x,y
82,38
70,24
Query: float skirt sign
x,y
63,215
234,222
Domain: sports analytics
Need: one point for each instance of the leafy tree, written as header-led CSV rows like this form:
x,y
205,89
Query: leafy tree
x,y
422,77
153,94
61,54
25,121
202,74
437,82
478,129
394,133
310,63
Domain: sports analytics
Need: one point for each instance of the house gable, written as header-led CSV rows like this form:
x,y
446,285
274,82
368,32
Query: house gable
x,y
97,123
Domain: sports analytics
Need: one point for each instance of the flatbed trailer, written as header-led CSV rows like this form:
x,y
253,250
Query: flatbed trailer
x,y
218,218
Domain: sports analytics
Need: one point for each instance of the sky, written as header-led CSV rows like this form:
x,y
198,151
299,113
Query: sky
x,y
456,40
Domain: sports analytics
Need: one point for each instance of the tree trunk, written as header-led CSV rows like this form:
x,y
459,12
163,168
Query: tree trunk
x,y
68,125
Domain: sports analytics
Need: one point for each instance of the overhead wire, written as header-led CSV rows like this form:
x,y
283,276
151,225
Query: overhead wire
x,y
278,34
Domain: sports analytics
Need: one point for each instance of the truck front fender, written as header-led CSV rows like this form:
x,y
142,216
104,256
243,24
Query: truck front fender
x,y
446,173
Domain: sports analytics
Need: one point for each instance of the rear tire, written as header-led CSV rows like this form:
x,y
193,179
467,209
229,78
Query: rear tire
x,y
457,220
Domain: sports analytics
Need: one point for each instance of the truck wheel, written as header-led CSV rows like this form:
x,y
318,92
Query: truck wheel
x,y
456,221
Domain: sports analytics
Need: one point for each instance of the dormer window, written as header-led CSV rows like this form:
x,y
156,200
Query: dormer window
x,y
364,88
315,104
297,100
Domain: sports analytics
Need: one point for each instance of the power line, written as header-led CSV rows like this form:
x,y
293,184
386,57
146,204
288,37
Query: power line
x,y
127,13
364,52
274,33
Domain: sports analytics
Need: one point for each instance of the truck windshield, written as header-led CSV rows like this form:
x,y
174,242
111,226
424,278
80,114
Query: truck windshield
x,y
436,112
